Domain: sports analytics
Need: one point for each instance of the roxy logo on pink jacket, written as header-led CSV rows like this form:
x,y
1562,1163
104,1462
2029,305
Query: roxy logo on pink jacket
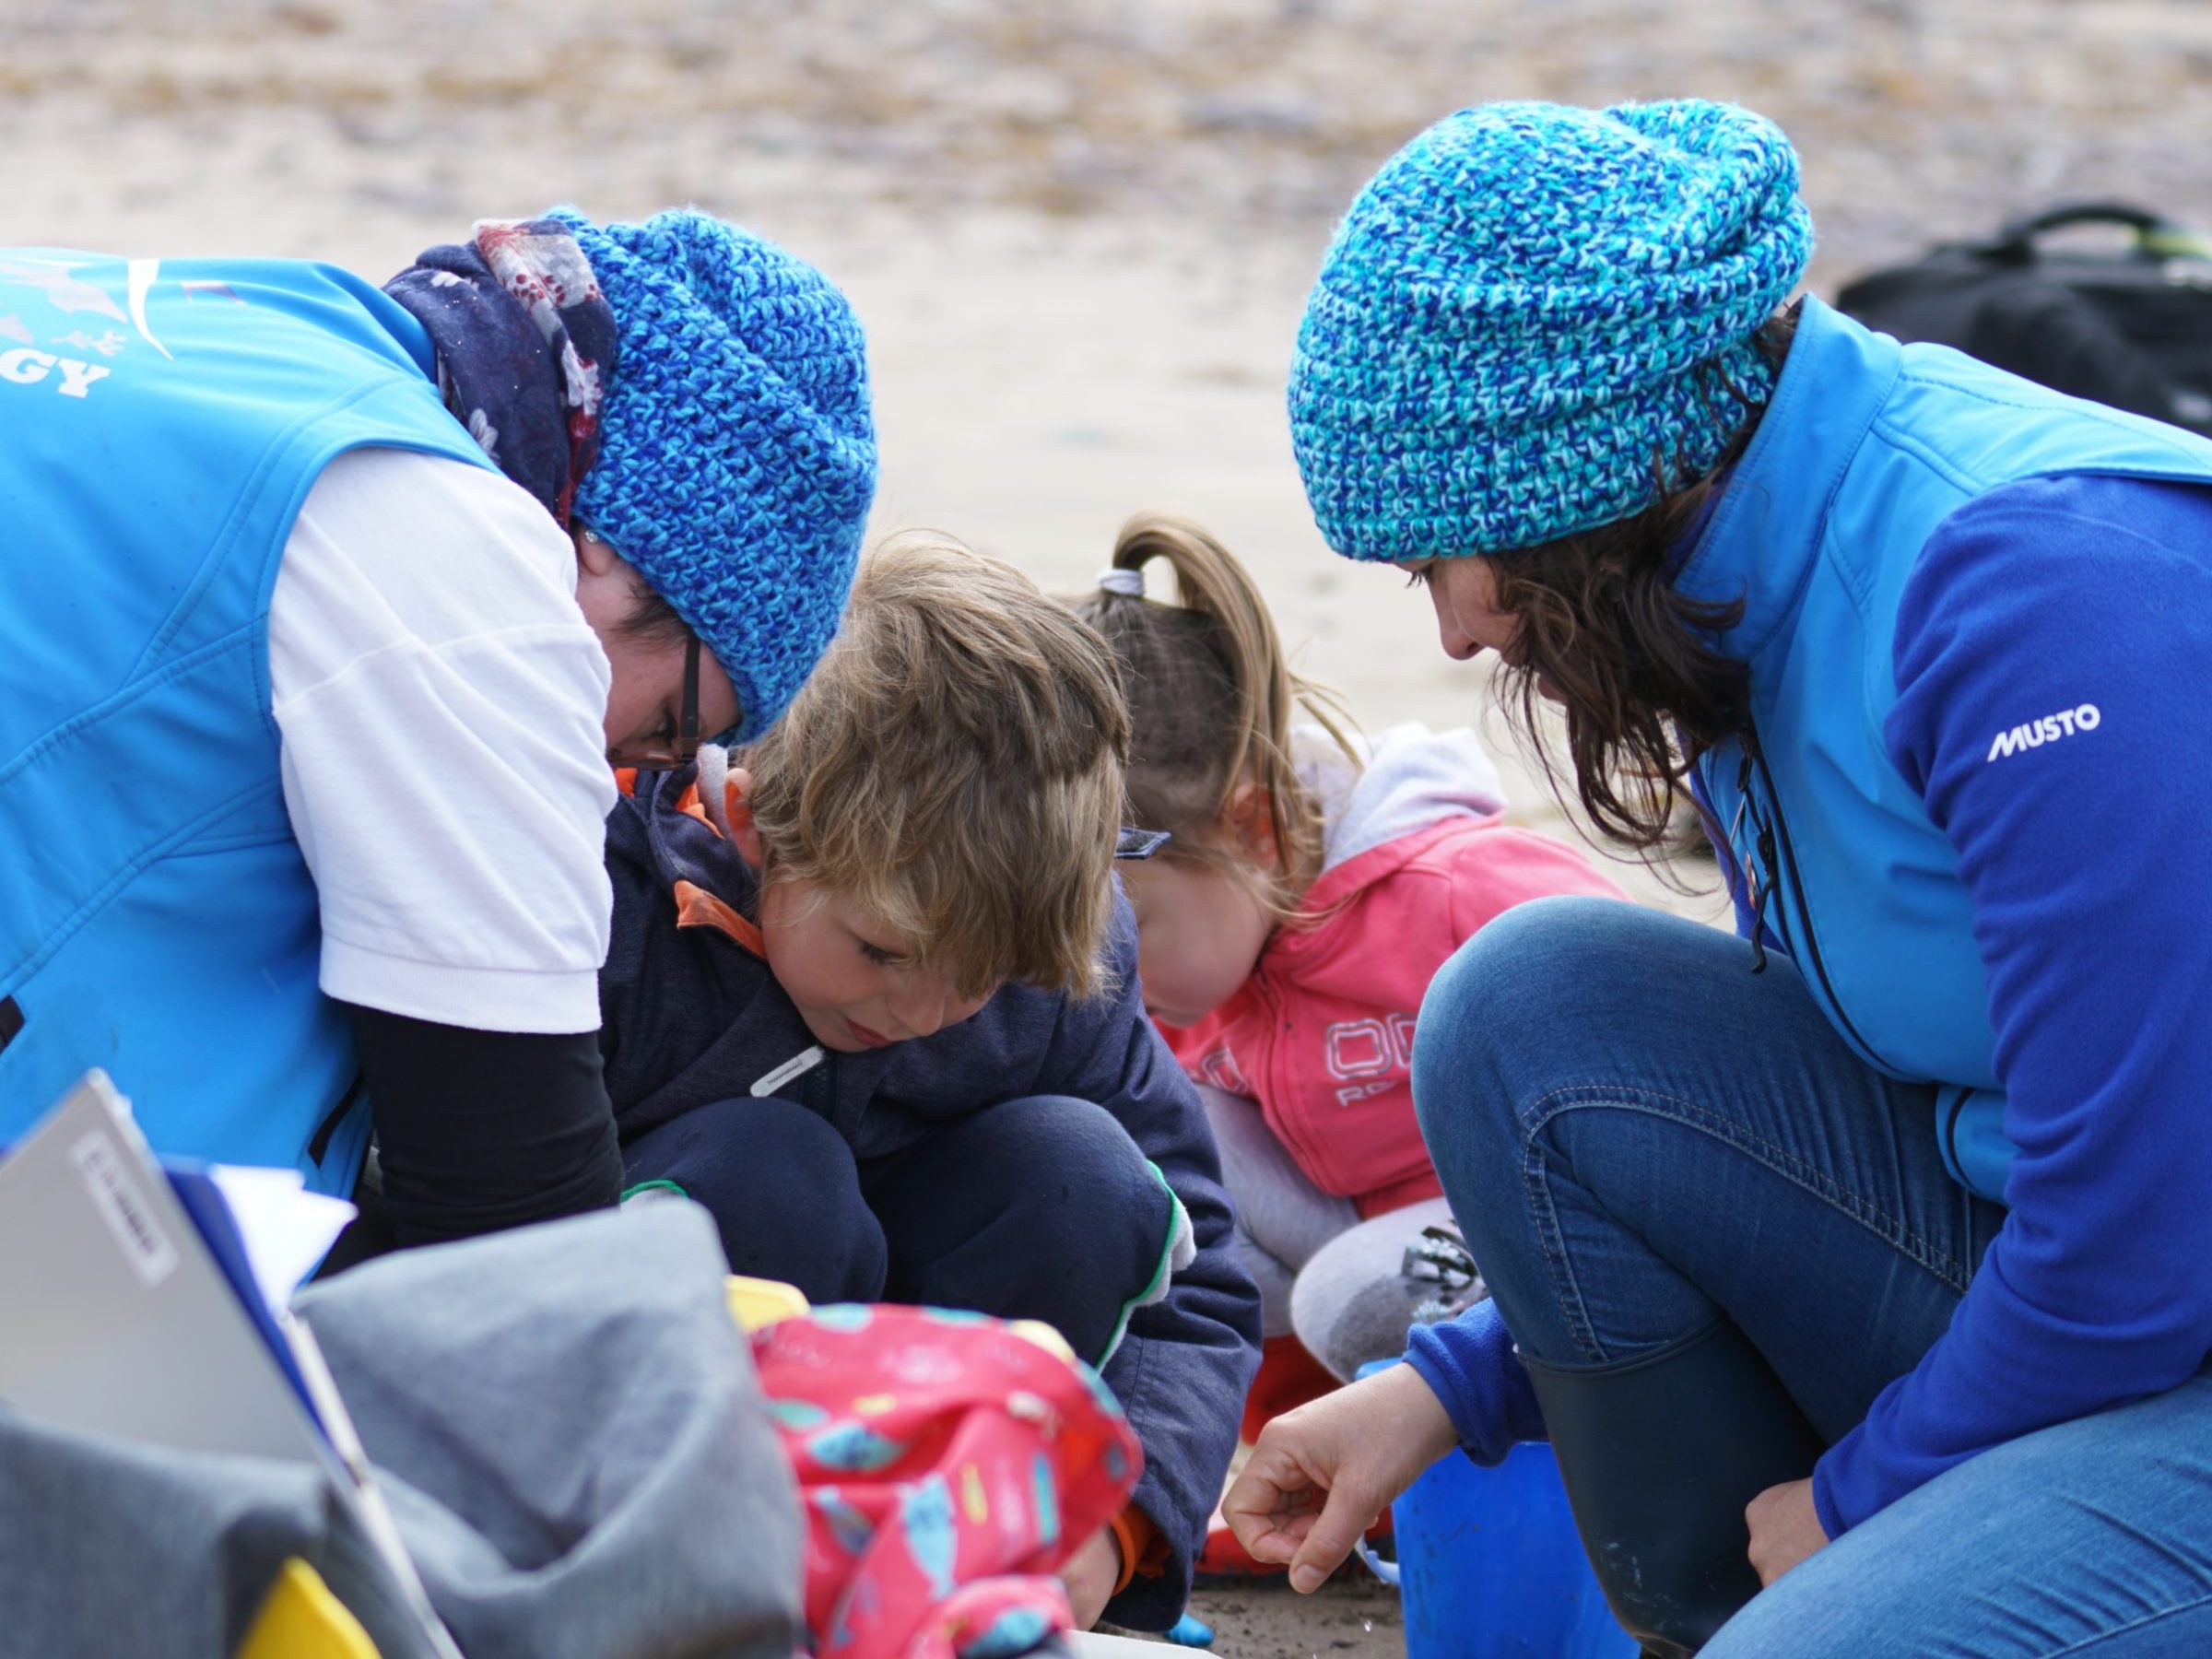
x,y
1369,1056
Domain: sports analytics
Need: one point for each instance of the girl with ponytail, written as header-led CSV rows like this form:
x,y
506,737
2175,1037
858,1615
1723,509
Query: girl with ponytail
x,y
1312,882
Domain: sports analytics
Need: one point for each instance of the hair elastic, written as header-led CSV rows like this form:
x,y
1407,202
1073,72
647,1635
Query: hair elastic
x,y
1130,584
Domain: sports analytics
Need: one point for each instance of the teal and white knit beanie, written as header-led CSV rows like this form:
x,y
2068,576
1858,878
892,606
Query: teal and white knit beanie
x,y
737,457
1521,315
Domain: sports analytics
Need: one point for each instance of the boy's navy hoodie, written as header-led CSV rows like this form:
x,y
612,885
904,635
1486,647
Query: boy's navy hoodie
x,y
690,1017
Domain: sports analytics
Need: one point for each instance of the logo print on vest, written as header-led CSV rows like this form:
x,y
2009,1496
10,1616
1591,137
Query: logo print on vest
x,y
25,366
2034,734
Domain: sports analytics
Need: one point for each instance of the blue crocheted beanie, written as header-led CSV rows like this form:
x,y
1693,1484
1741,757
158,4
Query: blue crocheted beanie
x,y
736,457
1529,313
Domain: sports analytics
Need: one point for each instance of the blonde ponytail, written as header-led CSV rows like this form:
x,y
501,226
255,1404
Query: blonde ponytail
x,y
1211,699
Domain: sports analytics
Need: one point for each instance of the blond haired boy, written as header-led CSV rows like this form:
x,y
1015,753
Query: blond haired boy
x,y
872,1000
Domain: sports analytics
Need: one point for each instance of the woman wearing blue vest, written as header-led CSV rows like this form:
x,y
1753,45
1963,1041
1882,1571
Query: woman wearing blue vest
x,y
322,611
1868,1254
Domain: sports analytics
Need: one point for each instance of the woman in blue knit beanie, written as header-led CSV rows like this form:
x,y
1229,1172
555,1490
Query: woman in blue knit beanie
x,y
344,600
1865,1256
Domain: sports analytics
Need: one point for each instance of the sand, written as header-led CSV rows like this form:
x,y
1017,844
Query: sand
x,y
1079,234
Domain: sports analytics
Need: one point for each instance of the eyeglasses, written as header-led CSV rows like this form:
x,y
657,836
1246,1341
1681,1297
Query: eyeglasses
x,y
687,728
1138,843
651,757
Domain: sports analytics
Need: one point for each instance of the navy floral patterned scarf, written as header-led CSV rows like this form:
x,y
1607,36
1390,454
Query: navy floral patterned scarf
x,y
525,345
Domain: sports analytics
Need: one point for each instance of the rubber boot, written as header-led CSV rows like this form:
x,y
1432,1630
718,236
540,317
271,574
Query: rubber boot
x,y
1660,1455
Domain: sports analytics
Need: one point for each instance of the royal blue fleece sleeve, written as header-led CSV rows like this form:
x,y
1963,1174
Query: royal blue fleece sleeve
x,y
2081,611
1470,1364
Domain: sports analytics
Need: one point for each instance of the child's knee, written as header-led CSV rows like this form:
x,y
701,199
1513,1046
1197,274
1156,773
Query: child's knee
x,y
1367,1287
1087,1179
783,1191
1095,1212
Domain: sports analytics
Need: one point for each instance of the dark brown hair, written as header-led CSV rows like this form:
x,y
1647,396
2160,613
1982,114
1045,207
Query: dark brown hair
x,y
1211,697
1598,622
650,619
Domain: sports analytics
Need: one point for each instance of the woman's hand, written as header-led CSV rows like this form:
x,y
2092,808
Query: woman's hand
x,y
1322,1474
1786,1528
1090,1575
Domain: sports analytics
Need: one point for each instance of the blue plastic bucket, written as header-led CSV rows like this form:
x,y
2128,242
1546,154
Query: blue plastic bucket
x,y
1491,1567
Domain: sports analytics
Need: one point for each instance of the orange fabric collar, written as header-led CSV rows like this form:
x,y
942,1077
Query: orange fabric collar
x,y
695,907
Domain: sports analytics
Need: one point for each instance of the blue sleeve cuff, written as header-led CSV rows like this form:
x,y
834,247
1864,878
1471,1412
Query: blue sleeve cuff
x,y
1825,1505
1470,1365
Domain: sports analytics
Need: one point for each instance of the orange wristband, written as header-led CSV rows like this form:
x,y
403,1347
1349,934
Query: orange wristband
x,y
1138,1537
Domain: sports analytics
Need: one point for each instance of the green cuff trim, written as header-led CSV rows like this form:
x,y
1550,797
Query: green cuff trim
x,y
1156,1288
653,1186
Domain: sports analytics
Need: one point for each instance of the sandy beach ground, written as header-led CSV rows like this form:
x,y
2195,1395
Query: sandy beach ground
x,y
1079,234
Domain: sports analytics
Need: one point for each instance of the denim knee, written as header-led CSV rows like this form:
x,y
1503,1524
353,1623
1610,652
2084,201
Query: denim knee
x,y
783,1188
2089,1535
1485,1019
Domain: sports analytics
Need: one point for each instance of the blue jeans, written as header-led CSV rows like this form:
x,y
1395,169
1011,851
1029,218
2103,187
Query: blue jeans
x,y
1637,1134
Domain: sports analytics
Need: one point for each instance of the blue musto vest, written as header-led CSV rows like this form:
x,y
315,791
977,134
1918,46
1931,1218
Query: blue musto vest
x,y
160,423
1865,448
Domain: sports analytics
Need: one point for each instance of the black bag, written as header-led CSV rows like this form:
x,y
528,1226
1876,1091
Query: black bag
x,y
2132,329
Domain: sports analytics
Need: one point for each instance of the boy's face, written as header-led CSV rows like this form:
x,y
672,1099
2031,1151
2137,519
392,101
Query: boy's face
x,y
851,979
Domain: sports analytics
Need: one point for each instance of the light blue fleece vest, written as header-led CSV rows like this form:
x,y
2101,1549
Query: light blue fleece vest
x,y
160,423
1866,449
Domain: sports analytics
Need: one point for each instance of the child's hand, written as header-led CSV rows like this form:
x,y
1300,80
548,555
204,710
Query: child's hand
x,y
1090,1575
1320,1475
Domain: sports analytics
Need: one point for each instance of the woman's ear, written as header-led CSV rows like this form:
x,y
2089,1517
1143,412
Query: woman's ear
x,y
597,557
1252,820
745,835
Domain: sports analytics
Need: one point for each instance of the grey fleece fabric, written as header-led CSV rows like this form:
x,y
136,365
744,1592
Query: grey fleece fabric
x,y
111,1551
567,1426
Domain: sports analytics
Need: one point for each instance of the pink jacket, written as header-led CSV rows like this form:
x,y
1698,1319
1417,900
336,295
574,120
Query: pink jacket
x,y
1321,1035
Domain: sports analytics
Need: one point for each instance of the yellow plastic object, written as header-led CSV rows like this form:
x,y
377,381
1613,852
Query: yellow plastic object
x,y
301,1619
758,1303
1045,1338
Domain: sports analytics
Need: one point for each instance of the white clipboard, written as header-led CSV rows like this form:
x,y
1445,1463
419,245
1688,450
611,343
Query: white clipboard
x,y
121,1314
